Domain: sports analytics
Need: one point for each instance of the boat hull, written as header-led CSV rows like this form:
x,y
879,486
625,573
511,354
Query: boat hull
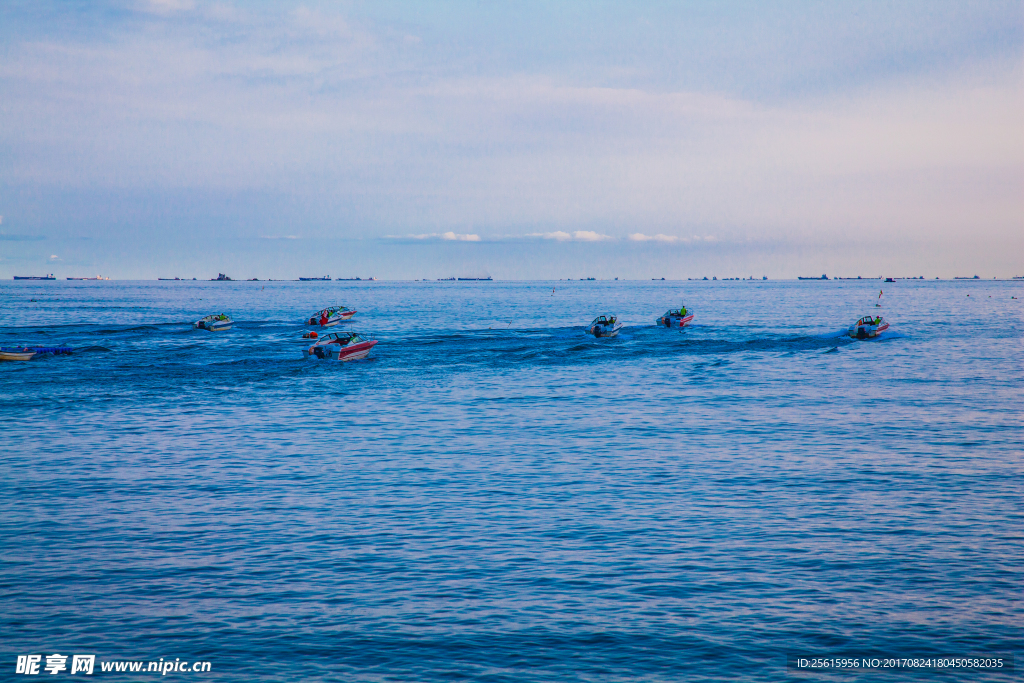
x,y
17,355
603,331
867,331
334,320
341,353
213,327
214,323
675,320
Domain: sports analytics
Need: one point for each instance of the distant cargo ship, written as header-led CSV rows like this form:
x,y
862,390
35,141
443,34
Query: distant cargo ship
x,y
35,277
307,279
823,277
98,277
477,278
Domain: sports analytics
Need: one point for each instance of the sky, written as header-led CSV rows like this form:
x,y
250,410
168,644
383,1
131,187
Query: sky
x,y
521,140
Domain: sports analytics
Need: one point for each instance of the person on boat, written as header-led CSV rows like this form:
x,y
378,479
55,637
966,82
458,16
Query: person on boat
x,y
323,318
682,311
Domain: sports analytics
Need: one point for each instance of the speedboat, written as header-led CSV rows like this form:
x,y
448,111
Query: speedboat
x,y
214,323
676,318
341,346
329,317
604,326
868,327
17,353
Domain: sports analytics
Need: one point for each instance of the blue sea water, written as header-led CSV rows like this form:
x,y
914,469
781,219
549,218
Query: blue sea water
x,y
494,496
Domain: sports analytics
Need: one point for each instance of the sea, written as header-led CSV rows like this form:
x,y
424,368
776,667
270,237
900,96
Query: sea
x,y
495,496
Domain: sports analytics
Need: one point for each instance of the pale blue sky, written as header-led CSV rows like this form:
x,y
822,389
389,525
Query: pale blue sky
x,y
522,139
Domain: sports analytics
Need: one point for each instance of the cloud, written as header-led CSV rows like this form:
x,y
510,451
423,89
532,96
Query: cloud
x,y
460,238
589,236
54,257
579,235
557,235
640,237
447,236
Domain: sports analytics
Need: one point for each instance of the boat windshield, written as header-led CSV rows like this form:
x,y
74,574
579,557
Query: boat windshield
x,y
344,338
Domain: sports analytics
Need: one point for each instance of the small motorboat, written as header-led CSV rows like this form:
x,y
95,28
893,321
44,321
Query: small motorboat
x,y
868,327
214,323
604,326
329,317
341,346
30,352
17,353
676,318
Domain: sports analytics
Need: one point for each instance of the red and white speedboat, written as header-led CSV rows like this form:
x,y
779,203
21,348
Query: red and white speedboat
x,y
341,346
676,318
329,317
868,327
